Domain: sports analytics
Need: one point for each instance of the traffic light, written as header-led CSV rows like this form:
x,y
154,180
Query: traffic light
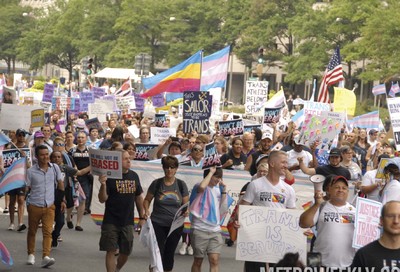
x,y
261,56
84,64
142,64
146,64
89,67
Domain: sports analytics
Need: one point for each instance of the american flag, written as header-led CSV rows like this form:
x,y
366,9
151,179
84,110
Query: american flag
x,y
394,89
333,74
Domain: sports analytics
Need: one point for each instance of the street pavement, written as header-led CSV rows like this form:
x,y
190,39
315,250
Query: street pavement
x,y
79,252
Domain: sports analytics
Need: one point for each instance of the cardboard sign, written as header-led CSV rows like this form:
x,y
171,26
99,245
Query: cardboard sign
x,y
158,100
382,163
100,108
12,155
256,95
48,93
160,120
394,112
196,112
211,157
139,102
142,151
315,108
86,99
125,102
37,118
13,117
160,135
104,162
366,227
231,127
267,234
272,116
98,92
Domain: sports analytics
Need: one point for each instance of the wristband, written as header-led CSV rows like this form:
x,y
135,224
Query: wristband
x,y
142,218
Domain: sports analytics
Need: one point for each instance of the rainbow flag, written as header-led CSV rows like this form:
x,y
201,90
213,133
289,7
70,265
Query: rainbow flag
x,y
182,77
14,177
214,70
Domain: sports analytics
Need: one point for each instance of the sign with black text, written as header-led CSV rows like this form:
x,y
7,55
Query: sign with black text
x,y
231,127
105,162
196,112
211,157
272,116
142,151
12,155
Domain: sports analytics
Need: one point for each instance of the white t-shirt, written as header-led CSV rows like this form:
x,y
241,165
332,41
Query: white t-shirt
x,y
369,179
292,160
391,192
335,226
261,192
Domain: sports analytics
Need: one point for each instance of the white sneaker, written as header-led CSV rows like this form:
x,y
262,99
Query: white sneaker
x,y
190,251
47,261
182,250
11,227
31,259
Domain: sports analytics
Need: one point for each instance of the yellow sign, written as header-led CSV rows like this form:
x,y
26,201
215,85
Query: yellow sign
x,y
344,101
37,118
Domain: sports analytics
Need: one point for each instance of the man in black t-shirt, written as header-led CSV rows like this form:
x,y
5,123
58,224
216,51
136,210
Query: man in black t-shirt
x,y
383,254
119,196
333,168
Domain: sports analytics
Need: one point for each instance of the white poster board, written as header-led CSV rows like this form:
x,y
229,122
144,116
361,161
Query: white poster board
x,y
366,227
256,95
394,112
315,108
267,234
13,117
159,135
104,162
100,108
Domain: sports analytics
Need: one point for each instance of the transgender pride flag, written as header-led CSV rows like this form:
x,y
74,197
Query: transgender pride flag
x,y
369,120
14,177
214,70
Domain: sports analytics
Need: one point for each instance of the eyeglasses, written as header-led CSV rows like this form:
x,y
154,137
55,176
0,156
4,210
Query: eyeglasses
x,y
59,144
197,150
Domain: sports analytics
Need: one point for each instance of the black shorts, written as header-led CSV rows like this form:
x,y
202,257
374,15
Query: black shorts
x,y
17,192
115,237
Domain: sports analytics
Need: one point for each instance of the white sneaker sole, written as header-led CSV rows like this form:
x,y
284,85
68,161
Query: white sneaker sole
x,y
49,263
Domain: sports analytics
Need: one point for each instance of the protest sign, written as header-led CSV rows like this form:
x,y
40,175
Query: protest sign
x,y
216,99
394,112
267,234
322,128
100,108
37,118
12,155
211,157
125,102
250,128
344,101
315,108
366,227
256,95
160,120
179,218
94,123
13,117
61,124
139,102
98,92
196,112
86,99
10,94
64,103
160,135
112,99
231,127
134,130
272,115
105,162
142,151
48,93
381,165
158,100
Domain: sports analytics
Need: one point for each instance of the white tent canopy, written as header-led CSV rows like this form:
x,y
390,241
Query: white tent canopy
x,y
118,73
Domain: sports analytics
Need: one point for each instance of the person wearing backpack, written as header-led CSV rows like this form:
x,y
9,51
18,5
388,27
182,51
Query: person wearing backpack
x,y
169,194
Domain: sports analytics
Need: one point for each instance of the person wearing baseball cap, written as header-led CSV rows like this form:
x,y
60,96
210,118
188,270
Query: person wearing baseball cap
x,y
333,168
265,148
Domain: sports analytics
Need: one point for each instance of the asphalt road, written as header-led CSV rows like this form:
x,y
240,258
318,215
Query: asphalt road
x,y
79,252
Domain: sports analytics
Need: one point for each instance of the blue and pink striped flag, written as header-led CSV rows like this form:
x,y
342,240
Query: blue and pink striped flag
x,y
394,89
5,255
379,89
4,139
214,70
14,177
369,120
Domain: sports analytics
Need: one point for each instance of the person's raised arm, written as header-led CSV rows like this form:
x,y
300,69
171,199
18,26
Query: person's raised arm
x,y
306,170
307,217
204,183
103,196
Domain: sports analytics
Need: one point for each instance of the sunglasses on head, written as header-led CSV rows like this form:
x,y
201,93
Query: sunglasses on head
x,y
197,149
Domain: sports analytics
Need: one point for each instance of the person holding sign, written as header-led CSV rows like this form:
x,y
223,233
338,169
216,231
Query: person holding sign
x,y
120,196
208,206
334,218
169,194
383,254
269,191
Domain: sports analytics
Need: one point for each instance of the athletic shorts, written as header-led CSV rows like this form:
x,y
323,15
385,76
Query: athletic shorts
x,y
114,237
205,242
